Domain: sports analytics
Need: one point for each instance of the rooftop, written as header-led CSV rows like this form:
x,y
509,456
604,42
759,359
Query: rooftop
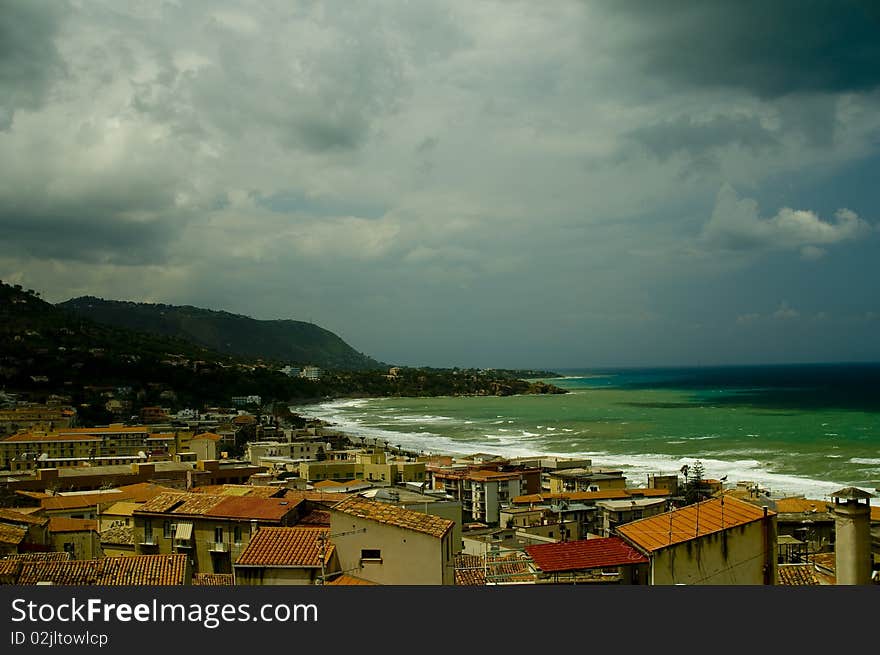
x,y
350,580
12,516
213,579
136,570
584,554
392,515
690,522
287,547
12,534
608,494
797,575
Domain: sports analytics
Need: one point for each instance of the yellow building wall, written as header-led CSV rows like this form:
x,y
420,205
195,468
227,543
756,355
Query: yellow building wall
x,y
736,556
408,557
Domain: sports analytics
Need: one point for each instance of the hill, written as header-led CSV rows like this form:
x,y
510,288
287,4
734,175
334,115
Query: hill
x,y
286,341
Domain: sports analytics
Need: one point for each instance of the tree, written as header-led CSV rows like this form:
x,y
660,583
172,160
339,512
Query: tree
x,y
695,488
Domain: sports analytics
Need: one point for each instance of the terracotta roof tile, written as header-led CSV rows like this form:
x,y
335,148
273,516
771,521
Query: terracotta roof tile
x,y
393,515
316,517
478,570
277,547
12,516
584,554
137,570
350,580
213,579
690,522
119,536
12,534
797,575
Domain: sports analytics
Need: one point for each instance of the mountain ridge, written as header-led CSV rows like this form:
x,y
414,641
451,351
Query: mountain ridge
x,y
283,340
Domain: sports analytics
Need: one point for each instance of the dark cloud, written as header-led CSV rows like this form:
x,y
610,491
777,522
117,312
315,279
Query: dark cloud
x,y
770,49
29,60
691,137
92,239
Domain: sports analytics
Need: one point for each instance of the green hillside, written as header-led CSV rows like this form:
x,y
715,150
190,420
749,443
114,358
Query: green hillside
x,y
287,341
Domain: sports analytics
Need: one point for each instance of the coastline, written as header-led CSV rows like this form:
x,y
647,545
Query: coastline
x,y
336,414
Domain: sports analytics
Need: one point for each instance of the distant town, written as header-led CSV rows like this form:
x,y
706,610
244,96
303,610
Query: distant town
x,y
252,494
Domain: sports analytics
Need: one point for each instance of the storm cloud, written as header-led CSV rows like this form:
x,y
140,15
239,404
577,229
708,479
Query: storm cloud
x,y
457,183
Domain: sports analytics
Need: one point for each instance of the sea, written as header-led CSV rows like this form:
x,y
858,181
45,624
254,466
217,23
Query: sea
x,y
795,430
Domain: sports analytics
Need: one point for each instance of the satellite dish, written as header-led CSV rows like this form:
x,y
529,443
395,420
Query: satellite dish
x,y
43,457
142,454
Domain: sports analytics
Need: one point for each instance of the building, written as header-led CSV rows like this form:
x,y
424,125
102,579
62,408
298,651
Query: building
x,y
212,530
585,479
311,373
387,544
589,561
141,570
484,492
720,541
614,513
36,418
79,537
287,556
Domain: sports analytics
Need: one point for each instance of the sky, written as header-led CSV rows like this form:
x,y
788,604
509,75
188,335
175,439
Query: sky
x,y
458,183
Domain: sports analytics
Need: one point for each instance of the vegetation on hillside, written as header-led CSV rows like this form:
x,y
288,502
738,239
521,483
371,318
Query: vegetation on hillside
x,y
286,341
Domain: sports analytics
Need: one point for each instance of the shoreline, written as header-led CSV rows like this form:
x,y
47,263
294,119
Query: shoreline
x,y
635,467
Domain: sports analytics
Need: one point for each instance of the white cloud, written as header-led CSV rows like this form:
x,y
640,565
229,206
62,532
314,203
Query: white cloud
x,y
736,225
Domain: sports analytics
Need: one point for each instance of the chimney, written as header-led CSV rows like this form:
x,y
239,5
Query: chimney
x,y
852,527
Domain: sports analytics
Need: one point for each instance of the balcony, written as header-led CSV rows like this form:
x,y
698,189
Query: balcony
x,y
218,547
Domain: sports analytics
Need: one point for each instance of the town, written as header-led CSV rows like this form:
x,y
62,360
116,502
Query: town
x,y
249,495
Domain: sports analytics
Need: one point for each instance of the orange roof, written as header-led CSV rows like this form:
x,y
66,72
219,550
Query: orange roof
x,y
492,475
249,507
392,515
350,580
690,522
12,534
111,429
316,517
12,516
797,575
76,501
875,513
584,554
62,524
213,579
135,570
283,547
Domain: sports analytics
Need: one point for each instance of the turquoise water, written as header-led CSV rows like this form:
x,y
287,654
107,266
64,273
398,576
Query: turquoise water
x,y
795,430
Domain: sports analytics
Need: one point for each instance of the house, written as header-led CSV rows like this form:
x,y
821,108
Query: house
x,y
720,541
484,492
287,556
614,513
590,561
79,537
36,535
586,479
213,530
392,545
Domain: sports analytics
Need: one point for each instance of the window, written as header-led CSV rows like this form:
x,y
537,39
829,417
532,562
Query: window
x,y
68,547
218,535
236,534
167,529
369,553
148,530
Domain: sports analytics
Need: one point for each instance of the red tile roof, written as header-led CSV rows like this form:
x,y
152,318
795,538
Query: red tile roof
x,y
608,494
287,547
137,570
690,522
584,554
12,534
213,579
250,507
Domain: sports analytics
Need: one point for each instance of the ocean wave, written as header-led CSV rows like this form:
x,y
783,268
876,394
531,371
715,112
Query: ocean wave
x,y
865,460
